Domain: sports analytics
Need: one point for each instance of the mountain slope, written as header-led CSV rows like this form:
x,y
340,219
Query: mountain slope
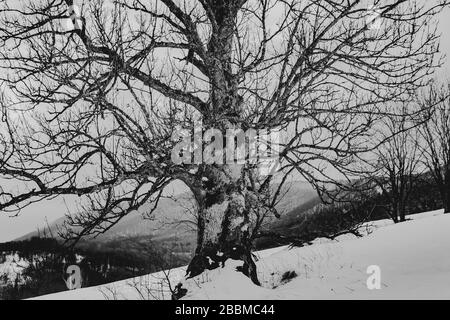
x,y
412,257
164,222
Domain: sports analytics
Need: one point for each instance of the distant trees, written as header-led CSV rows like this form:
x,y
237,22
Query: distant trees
x,y
435,135
414,152
101,262
396,163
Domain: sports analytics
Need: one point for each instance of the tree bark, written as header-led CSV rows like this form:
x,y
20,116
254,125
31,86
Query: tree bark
x,y
395,211
446,199
224,223
446,189
444,193
402,214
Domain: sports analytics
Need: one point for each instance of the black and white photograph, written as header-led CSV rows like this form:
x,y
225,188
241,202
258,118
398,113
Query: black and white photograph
x,y
224,150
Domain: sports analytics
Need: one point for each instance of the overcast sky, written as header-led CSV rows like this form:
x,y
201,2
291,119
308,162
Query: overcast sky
x,y
35,216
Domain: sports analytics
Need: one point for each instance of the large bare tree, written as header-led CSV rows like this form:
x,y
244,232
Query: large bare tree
x,y
94,90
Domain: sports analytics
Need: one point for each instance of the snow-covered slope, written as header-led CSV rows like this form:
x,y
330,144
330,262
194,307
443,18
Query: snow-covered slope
x,y
413,257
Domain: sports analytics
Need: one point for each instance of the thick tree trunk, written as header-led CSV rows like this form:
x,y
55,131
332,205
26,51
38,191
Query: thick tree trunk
x,y
224,221
224,224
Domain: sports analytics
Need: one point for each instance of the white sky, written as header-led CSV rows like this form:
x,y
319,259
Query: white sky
x,y
35,216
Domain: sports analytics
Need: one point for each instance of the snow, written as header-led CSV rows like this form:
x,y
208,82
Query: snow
x,y
413,258
13,266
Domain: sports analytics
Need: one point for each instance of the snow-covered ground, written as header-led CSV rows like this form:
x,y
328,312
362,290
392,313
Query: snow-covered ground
x,y
413,258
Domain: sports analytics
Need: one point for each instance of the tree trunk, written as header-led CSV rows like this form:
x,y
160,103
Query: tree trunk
x,y
225,224
446,189
224,221
445,196
447,201
395,212
402,214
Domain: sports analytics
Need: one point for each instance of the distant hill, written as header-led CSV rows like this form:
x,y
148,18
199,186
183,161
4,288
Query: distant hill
x,y
164,224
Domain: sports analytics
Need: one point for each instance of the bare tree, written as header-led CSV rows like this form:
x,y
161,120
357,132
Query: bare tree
x,y
90,109
435,133
397,163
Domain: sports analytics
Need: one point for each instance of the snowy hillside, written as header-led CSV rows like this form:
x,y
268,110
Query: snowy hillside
x,y
413,258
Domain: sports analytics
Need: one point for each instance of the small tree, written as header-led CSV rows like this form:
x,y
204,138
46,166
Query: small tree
x,y
435,133
397,163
